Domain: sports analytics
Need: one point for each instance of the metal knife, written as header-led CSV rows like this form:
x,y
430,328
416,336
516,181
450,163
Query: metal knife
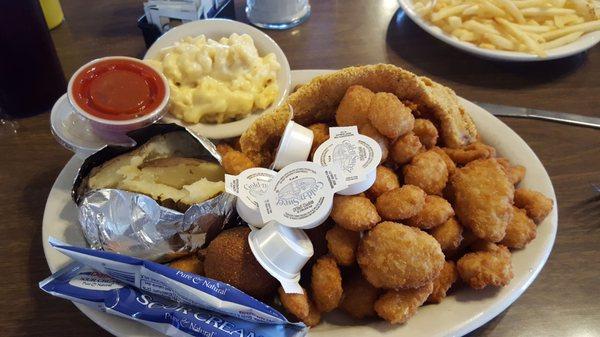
x,y
561,117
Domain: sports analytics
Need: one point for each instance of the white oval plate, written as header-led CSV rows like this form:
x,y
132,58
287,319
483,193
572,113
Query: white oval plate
x,y
580,45
216,29
460,313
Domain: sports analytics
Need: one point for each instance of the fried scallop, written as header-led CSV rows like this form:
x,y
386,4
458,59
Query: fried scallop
x,y
386,180
354,106
443,282
449,235
450,165
426,131
401,203
392,255
428,171
537,205
355,213
320,135
326,284
359,297
520,231
471,152
235,162
515,173
490,267
435,212
398,306
342,244
369,130
405,148
296,304
389,116
483,198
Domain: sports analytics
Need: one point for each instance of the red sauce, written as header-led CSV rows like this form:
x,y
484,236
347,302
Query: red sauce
x,y
118,89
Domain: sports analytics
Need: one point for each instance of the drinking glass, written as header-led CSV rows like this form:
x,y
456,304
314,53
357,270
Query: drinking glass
x,y
277,14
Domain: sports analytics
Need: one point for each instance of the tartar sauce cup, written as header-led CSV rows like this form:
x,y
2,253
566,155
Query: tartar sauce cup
x,y
294,145
249,186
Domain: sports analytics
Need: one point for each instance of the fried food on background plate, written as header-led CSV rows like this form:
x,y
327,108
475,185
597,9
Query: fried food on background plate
x,y
483,198
326,284
401,203
435,212
426,131
369,130
428,171
450,165
405,148
386,180
392,255
359,297
320,135
449,235
354,106
514,173
442,283
342,244
355,213
537,205
389,116
520,231
296,304
471,152
490,267
397,306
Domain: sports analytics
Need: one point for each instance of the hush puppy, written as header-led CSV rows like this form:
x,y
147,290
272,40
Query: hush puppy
x,y
405,148
320,135
369,130
449,235
434,213
314,315
520,231
386,180
426,131
296,304
443,282
398,306
342,244
483,198
490,267
534,203
355,213
428,171
359,297
393,255
354,106
401,203
326,284
389,116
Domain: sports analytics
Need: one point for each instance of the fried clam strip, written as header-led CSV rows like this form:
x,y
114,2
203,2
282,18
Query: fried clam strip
x,y
317,101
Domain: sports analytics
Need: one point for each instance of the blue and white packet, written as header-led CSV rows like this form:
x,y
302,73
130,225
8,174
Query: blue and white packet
x,y
175,285
82,284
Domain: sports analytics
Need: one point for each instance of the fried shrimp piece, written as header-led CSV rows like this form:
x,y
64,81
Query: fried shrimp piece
x,y
320,135
467,154
401,203
369,130
537,205
386,180
354,106
449,235
326,284
389,116
342,244
520,231
514,173
434,213
355,213
314,315
483,198
296,304
443,282
234,162
189,264
426,131
450,165
491,267
393,255
359,297
428,171
398,306
405,148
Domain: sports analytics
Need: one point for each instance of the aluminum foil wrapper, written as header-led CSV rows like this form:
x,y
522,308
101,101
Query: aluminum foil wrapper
x,y
135,224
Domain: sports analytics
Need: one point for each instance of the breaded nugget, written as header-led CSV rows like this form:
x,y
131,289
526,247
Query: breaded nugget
x,y
223,148
386,180
449,235
320,135
428,171
369,130
405,148
393,255
426,131
443,282
389,116
342,244
189,264
450,165
467,154
520,231
355,213
314,315
326,284
401,203
398,306
537,205
359,297
490,267
483,198
434,213
354,106
514,173
234,162
296,304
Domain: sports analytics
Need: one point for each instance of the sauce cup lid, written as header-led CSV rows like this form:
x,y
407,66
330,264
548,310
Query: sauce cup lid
x,y
249,186
294,145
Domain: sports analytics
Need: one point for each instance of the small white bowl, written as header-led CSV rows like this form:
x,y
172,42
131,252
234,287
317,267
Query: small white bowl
x,y
216,29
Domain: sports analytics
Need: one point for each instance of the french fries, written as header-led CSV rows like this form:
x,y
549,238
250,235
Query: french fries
x,y
530,26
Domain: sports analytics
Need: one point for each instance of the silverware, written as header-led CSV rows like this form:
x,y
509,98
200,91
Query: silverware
x,y
561,117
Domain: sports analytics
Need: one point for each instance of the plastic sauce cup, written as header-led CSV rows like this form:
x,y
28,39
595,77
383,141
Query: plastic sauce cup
x,y
249,186
294,145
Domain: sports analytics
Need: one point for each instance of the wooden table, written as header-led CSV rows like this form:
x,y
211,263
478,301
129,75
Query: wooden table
x,y
563,301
